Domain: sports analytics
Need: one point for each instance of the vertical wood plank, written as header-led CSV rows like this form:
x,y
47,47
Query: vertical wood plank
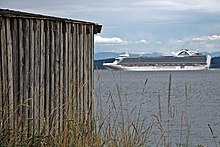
x,y
79,110
26,73
31,69
70,68
81,104
74,73
21,75
68,71
42,73
92,67
8,105
37,106
4,75
85,78
15,53
61,78
84,75
77,74
1,81
10,74
52,98
87,85
56,76
86,68
47,69
65,73
90,70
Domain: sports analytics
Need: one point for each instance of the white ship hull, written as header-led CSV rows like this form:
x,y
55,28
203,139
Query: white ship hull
x,y
153,68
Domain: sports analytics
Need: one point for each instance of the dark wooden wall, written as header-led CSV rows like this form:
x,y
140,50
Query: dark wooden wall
x,y
46,73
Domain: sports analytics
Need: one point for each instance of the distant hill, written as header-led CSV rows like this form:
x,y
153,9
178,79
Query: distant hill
x,y
98,64
215,54
106,55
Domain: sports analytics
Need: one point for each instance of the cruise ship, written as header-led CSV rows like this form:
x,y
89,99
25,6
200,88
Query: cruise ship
x,y
179,61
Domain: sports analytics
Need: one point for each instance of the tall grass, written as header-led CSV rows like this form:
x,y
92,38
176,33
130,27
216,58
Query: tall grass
x,y
114,125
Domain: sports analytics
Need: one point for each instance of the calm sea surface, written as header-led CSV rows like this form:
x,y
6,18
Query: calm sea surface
x,y
195,100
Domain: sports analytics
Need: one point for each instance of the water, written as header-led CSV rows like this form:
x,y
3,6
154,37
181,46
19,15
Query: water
x,y
143,89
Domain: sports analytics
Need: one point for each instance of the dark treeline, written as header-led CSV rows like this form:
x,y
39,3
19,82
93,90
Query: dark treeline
x,y
215,62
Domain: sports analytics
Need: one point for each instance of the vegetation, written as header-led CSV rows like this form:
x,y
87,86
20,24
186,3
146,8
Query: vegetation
x,y
114,127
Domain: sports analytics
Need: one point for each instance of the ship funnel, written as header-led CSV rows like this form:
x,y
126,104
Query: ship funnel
x,y
208,61
173,53
124,55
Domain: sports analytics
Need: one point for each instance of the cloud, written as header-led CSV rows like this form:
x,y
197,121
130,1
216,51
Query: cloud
x,y
158,42
120,11
181,5
142,41
179,41
206,38
113,40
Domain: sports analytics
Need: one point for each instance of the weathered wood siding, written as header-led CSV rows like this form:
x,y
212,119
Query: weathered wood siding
x,y
46,72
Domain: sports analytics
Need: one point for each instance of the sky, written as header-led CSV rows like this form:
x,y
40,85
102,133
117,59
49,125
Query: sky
x,y
139,26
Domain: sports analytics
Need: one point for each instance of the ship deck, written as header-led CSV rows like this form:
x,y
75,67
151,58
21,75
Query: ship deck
x,y
164,60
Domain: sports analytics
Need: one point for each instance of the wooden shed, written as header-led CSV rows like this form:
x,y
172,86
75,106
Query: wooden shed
x,y
46,72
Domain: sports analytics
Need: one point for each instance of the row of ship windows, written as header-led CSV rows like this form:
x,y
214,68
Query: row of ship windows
x,y
131,65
